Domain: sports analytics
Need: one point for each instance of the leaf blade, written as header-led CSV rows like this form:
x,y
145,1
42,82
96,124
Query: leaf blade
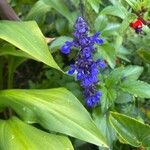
x,y
17,135
128,129
27,37
138,88
108,53
56,110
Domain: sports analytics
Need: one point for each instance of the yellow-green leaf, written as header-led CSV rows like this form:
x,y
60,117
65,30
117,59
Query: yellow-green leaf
x,y
28,38
54,109
131,130
136,87
16,135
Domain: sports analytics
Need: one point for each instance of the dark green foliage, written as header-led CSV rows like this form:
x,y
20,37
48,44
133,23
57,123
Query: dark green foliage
x,y
119,122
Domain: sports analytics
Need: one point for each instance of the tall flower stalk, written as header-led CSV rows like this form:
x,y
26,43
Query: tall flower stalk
x,y
85,67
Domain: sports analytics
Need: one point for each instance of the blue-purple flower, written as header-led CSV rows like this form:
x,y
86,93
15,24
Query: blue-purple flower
x,y
86,68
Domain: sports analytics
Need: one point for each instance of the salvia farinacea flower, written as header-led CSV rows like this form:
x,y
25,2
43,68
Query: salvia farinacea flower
x,y
85,67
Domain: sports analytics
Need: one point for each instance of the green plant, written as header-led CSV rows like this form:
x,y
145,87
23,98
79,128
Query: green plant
x,y
50,114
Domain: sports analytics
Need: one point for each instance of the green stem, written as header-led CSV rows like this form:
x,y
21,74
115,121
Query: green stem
x,y
10,81
14,62
1,73
11,70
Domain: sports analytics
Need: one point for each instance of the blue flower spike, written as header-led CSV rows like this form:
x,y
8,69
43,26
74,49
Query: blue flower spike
x,y
66,47
85,66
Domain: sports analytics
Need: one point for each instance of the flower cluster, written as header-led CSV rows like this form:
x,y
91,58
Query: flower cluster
x,y
137,25
85,67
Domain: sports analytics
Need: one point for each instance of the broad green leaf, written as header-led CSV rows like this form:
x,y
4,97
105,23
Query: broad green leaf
x,y
102,122
138,88
123,97
144,54
123,50
116,10
100,23
11,50
123,57
131,130
27,37
61,7
132,72
56,110
38,12
122,53
114,77
108,53
111,29
108,98
94,4
59,42
123,73
16,135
